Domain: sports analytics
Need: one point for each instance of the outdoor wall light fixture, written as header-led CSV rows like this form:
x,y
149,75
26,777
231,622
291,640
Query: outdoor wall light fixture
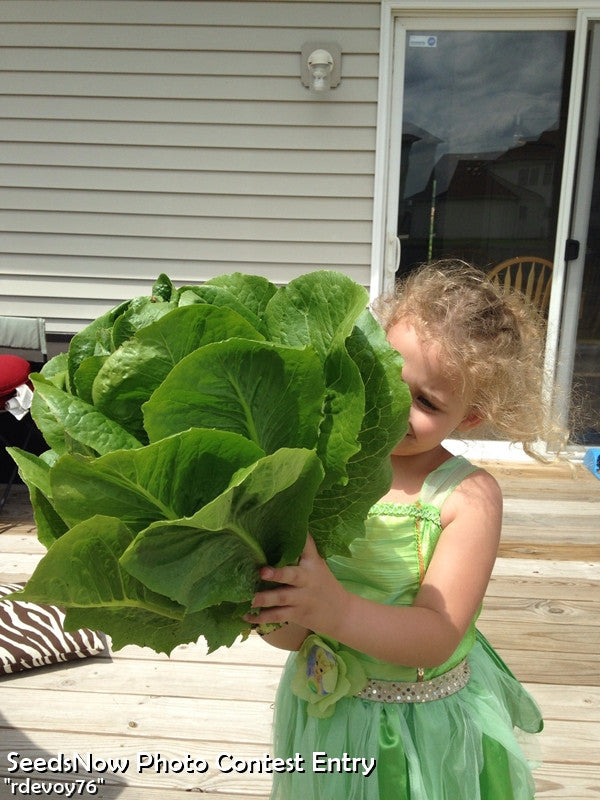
x,y
321,66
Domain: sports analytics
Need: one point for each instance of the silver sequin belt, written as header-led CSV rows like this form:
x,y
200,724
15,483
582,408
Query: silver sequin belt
x,y
420,691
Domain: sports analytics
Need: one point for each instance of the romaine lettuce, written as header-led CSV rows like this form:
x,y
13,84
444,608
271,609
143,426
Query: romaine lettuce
x,y
196,435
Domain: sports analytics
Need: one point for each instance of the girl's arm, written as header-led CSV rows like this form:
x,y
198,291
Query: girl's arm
x,y
424,634
289,637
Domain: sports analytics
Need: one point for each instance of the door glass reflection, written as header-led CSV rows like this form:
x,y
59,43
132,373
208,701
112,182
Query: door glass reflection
x,y
585,422
484,118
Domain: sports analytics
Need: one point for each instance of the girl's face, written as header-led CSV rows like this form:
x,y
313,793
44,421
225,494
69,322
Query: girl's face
x,y
437,410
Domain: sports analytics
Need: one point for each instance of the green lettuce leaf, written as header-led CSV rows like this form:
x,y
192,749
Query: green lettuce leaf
x,y
35,473
339,512
85,375
252,291
140,312
127,378
218,297
81,572
214,556
163,289
93,340
57,370
319,310
272,395
69,423
166,480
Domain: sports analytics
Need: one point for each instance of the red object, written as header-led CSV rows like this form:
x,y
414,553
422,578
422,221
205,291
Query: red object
x,y
14,371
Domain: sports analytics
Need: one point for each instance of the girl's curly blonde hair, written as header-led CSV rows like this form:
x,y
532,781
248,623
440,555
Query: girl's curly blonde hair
x,y
491,341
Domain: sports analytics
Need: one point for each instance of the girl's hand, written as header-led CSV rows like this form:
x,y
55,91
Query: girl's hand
x,y
309,595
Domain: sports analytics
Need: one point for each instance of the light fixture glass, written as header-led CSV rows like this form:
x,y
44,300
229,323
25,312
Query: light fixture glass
x,y
321,66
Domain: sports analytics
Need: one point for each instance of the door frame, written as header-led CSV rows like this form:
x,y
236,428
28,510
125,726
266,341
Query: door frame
x,y
582,196
460,15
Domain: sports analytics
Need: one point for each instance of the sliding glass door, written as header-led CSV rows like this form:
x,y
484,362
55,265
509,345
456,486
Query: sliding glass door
x,y
493,155
577,403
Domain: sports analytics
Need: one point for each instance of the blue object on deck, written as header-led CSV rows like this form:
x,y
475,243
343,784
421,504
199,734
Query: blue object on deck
x,y
592,461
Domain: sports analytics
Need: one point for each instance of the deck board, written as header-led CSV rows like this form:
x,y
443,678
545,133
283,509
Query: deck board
x,y
542,613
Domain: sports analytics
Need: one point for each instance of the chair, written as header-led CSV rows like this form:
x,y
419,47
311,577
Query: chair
x,y
26,338
527,274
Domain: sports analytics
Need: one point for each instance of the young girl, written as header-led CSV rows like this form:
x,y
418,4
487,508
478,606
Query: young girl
x,y
392,693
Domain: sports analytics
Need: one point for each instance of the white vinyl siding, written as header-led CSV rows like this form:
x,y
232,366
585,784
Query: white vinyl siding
x,y
145,137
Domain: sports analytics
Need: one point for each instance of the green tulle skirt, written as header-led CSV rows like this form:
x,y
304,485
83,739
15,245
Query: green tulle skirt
x,y
460,748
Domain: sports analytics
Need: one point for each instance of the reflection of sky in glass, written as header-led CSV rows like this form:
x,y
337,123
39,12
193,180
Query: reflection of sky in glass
x,y
480,92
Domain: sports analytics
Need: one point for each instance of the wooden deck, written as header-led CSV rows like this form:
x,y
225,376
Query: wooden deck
x,y
164,717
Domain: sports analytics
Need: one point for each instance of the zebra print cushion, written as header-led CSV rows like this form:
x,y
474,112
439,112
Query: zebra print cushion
x,y
32,635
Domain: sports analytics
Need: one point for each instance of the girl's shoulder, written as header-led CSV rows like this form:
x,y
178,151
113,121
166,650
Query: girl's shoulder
x,y
462,488
444,479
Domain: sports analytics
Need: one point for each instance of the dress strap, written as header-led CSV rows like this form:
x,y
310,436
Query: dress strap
x,y
442,481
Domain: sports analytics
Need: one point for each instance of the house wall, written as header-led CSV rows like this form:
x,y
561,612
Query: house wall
x,y
145,137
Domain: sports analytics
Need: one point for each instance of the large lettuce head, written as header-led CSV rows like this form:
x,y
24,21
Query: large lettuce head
x,y
196,435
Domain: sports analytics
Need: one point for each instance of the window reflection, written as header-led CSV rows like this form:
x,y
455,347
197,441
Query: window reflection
x,y
482,144
586,378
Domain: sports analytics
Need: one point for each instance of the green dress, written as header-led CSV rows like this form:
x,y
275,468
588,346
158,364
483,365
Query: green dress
x,y
458,747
